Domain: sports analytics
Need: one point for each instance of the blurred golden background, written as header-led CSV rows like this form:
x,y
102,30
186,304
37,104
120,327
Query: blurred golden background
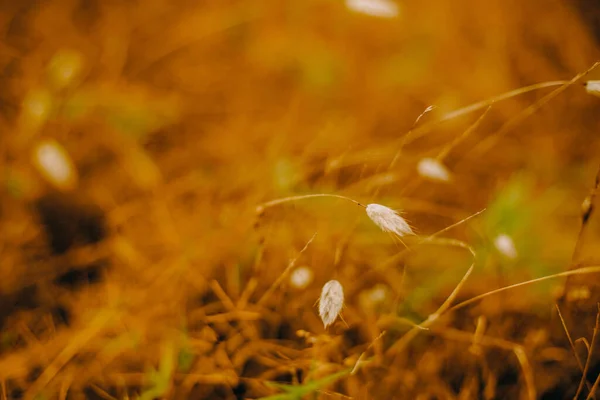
x,y
140,141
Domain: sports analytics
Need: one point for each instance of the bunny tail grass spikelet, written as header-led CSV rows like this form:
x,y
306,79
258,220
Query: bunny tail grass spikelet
x,y
593,88
331,302
388,220
506,246
433,169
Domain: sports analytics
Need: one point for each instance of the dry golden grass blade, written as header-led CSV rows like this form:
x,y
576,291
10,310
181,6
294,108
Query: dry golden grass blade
x,y
517,349
489,142
447,149
430,239
401,344
284,274
581,271
246,293
218,290
272,203
527,372
397,155
589,356
585,343
102,393
588,208
360,360
178,118
594,388
426,128
480,328
64,386
570,340
237,315
76,344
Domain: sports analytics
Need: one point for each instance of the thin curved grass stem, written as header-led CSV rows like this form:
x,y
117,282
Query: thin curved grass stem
x,y
260,208
425,128
580,271
398,256
587,361
412,333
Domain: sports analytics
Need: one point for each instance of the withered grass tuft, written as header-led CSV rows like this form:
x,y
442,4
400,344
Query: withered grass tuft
x,y
180,179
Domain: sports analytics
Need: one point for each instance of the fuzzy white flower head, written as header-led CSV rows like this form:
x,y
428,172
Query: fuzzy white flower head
x,y
371,299
301,277
388,220
331,302
374,8
593,88
378,293
433,169
506,246
54,163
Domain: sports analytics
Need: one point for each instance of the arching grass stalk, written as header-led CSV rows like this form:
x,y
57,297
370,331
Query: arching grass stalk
x,y
389,220
427,127
428,239
580,271
488,143
262,207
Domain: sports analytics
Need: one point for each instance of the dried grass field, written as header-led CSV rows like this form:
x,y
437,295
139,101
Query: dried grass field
x,y
318,199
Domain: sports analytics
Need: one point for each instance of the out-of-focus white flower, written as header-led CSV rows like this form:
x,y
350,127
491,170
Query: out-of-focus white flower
x,y
331,302
433,169
35,109
64,68
506,246
378,293
301,277
388,220
54,163
370,299
374,8
593,88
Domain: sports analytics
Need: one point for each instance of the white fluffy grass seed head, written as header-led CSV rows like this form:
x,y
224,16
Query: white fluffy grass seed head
x,y
388,220
433,169
374,8
593,88
55,164
506,246
331,302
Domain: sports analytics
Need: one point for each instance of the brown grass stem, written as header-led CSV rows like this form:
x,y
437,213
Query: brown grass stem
x,y
285,273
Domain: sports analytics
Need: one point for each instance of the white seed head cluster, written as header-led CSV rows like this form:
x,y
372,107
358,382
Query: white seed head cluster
x,y
433,169
593,88
388,220
331,302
